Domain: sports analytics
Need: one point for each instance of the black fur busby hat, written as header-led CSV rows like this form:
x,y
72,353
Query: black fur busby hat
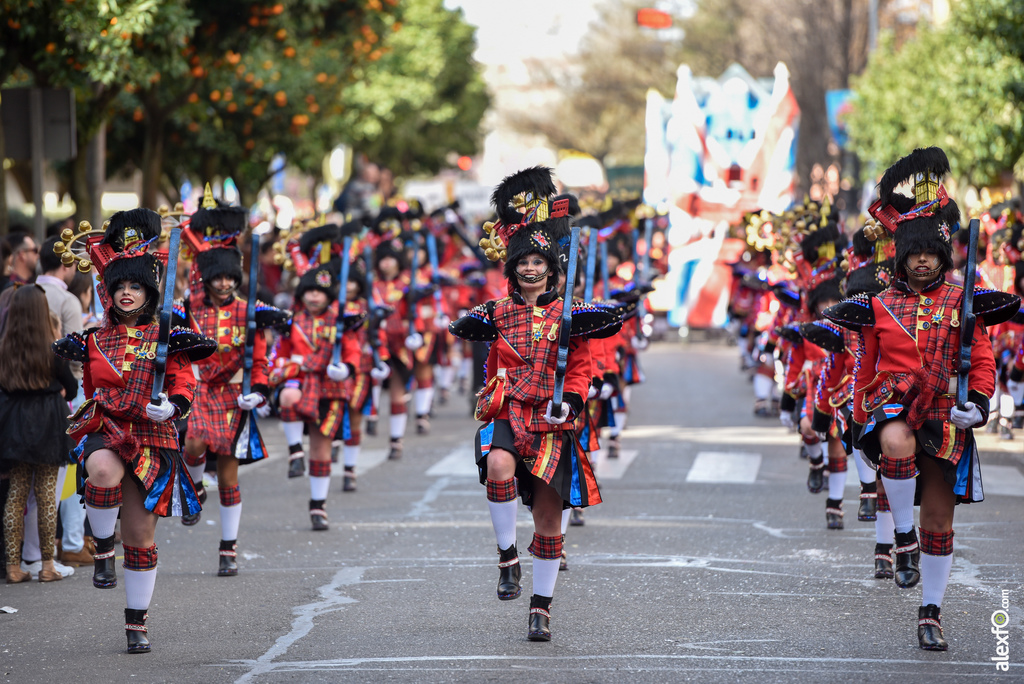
x,y
322,277
828,290
319,239
388,222
127,236
218,221
530,221
873,278
924,222
220,261
390,248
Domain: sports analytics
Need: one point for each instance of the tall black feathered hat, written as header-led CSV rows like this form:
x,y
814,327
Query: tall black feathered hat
x,y
530,221
213,232
390,248
322,277
924,222
122,253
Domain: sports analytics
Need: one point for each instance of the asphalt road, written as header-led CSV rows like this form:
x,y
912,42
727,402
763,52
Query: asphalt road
x,y
709,561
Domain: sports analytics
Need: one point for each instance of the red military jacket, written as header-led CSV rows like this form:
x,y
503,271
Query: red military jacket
x,y
306,352
226,326
119,366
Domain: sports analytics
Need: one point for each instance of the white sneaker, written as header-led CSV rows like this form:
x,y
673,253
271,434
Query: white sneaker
x,y
33,568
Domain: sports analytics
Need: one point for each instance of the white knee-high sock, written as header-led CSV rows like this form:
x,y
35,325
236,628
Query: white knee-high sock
x,y
397,423
763,386
196,471
138,588
318,488
901,501
350,454
423,399
934,577
884,528
814,451
864,471
503,519
836,485
230,516
565,519
375,393
102,520
292,432
545,573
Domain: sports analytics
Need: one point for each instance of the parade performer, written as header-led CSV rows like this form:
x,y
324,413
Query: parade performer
x,y
525,438
127,445
215,310
905,403
315,388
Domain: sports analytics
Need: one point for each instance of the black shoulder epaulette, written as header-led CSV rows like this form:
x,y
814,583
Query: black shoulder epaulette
x,y
268,316
994,307
853,313
593,321
786,296
72,347
476,325
190,343
823,334
790,333
352,321
179,313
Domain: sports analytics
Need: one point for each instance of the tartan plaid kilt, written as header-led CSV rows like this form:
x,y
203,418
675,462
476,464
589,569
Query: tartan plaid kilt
x,y
361,394
215,416
402,358
561,463
160,475
953,449
590,430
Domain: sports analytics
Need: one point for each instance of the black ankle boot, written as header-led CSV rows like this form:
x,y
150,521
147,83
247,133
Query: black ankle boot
x,y
816,477
190,519
423,424
540,618
834,514
868,511
317,515
135,630
929,629
103,574
509,574
371,427
907,568
396,449
228,558
883,561
348,483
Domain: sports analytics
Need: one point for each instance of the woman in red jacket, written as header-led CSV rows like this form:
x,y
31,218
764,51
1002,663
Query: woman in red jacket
x,y
528,446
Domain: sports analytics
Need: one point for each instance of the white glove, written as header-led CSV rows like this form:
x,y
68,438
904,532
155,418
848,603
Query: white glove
x,y
263,410
414,341
556,420
823,437
159,413
1016,391
442,322
640,343
607,390
337,372
591,393
971,415
786,418
247,402
381,372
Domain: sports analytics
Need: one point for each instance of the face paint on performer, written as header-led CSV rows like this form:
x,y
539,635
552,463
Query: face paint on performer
x,y
923,267
315,301
221,287
129,297
532,269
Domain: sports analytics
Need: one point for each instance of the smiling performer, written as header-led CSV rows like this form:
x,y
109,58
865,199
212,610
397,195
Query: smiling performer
x,y
215,309
127,444
525,438
905,388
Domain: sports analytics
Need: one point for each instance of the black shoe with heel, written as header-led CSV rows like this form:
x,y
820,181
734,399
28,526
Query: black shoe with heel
x,y
104,576
135,630
509,574
540,618
883,561
907,568
929,629
228,558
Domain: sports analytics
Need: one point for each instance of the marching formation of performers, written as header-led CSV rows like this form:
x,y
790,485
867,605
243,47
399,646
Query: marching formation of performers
x,y
884,351
176,387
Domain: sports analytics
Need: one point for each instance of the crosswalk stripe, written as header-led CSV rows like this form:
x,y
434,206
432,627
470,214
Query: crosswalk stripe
x,y
368,460
1002,480
613,468
724,467
459,463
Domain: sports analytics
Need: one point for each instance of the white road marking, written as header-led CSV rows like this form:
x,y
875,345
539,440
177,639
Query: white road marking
x,y
724,467
613,468
1002,480
368,460
461,462
745,435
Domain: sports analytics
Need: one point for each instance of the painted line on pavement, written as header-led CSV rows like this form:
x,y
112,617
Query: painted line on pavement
x,y
1002,480
461,462
724,467
613,468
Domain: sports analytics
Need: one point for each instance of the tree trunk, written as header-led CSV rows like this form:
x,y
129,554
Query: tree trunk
x,y
3,187
152,155
80,185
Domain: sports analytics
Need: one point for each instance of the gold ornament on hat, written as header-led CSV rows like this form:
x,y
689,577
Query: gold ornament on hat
x,y
74,246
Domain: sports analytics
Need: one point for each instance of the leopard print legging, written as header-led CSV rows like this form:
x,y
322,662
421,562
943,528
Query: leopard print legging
x,y
46,501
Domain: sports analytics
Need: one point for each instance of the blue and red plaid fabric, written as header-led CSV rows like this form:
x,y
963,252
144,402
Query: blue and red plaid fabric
x,y
102,497
546,548
319,468
897,469
936,543
501,491
230,496
136,558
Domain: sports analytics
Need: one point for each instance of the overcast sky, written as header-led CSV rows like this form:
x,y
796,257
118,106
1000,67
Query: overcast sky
x,y
509,32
